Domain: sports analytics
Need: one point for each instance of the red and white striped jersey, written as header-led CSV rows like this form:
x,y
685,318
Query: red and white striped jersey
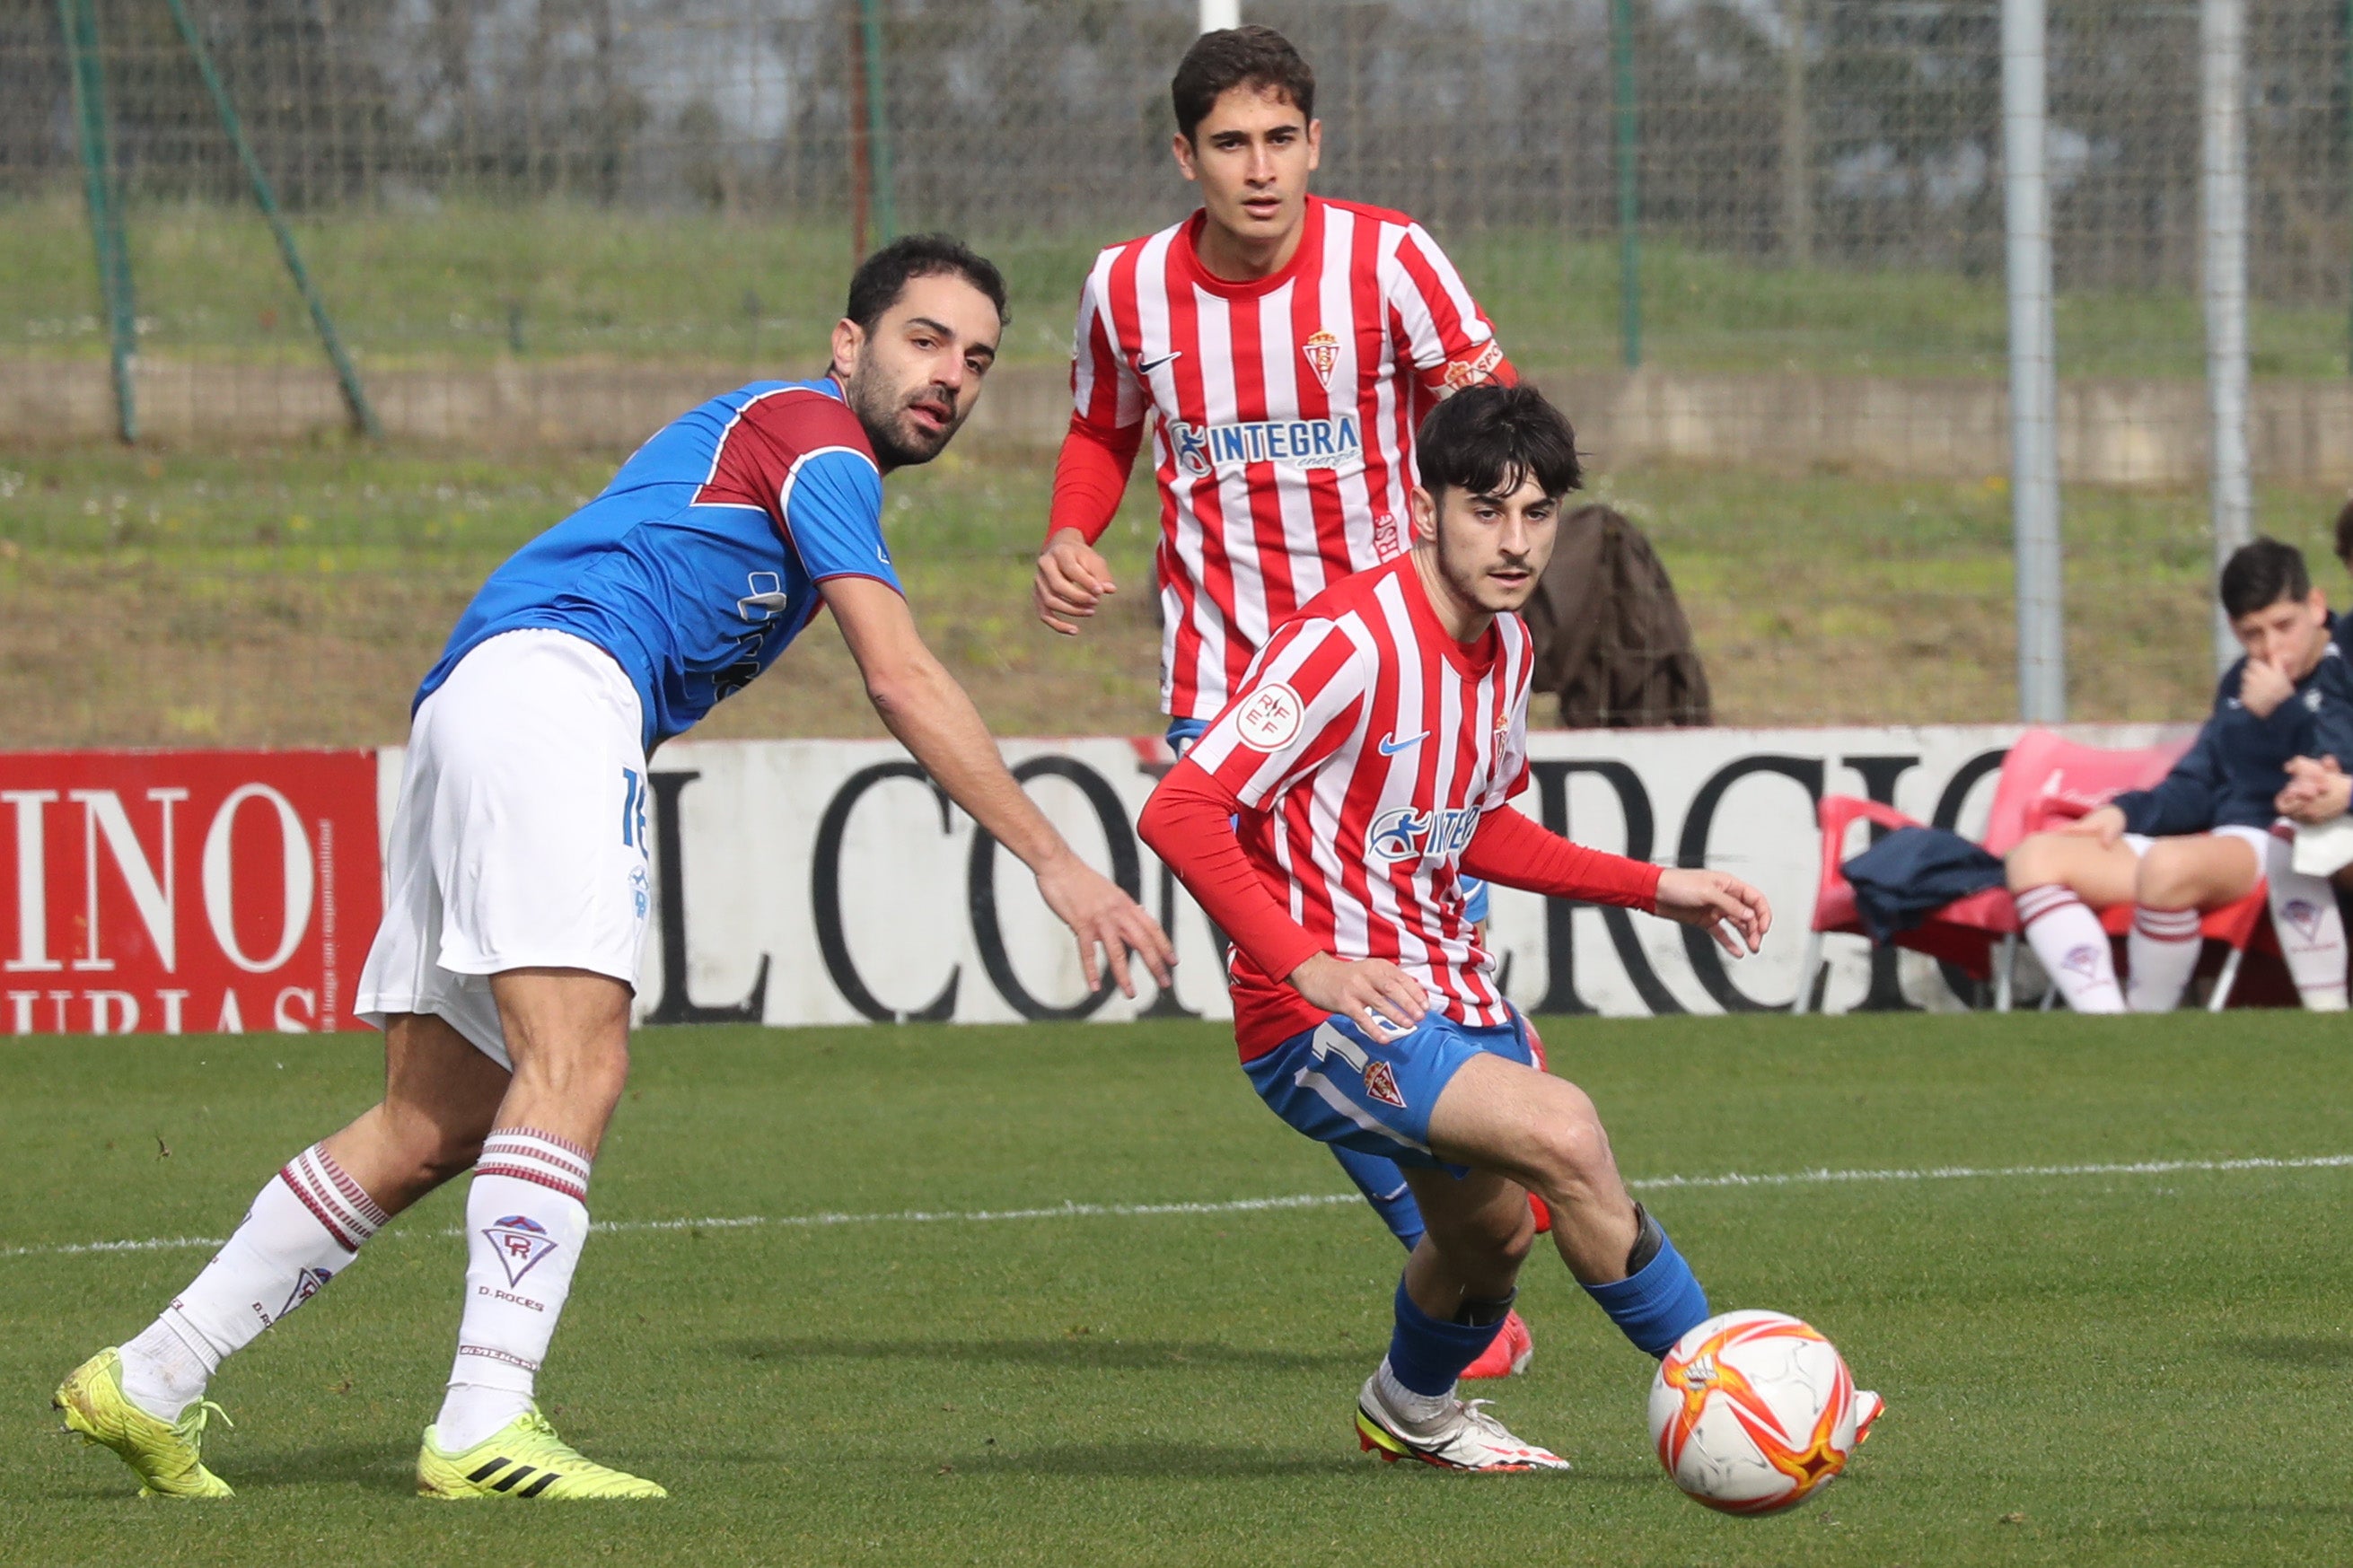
x,y
1285,409
1366,743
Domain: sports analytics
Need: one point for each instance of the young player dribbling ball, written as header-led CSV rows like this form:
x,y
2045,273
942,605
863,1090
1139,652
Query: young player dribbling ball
x,y
517,894
1288,346
1326,818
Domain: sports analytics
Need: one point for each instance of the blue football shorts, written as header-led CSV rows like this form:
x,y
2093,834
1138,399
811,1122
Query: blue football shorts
x,y
1339,1085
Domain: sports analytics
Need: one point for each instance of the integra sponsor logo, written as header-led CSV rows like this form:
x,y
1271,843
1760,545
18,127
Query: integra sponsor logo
x,y
1402,833
1302,443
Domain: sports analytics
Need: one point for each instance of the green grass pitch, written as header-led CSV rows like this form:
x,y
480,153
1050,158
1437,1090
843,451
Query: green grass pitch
x,y
2083,1367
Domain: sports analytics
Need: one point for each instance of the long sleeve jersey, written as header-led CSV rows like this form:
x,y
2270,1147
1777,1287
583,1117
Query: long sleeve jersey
x,y
2238,764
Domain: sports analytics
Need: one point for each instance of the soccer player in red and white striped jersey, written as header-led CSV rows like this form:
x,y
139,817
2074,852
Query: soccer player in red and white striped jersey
x,y
1287,347
1365,763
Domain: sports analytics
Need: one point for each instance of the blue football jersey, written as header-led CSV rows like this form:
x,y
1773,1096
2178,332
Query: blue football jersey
x,y
2238,764
701,561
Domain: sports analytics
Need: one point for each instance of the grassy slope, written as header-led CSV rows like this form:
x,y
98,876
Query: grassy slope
x,y
293,597
2083,1370
447,285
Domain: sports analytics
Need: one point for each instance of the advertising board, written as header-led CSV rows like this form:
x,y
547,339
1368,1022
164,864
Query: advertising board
x,y
180,892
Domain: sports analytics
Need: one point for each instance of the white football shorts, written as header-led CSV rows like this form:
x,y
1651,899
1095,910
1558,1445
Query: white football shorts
x,y
2259,839
519,841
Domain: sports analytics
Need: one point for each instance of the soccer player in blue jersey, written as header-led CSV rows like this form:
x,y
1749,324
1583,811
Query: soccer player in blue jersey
x,y
516,872
2205,835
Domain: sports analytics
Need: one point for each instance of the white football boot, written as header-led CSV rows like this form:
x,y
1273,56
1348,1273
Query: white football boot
x,y
1461,1436
1868,1407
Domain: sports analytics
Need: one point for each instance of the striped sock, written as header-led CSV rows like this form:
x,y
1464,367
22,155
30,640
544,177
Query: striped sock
x,y
2162,951
304,1226
526,1217
2074,950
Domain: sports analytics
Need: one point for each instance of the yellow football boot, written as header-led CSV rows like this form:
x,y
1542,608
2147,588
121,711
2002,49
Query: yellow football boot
x,y
167,1455
524,1458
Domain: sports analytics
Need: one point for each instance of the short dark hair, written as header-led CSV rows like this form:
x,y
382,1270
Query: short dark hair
x,y
883,276
1238,57
2345,533
1486,439
2262,573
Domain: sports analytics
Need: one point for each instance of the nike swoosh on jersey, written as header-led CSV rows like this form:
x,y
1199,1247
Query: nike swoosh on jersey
x,y
1391,746
1146,366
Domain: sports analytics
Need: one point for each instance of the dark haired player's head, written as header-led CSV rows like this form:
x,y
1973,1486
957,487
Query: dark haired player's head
x,y
1492,463
1256,57
920,330
1246,133
2276,612
2343,539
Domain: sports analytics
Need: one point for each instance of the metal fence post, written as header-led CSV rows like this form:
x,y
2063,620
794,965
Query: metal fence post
x,y
878,121
1219,15
1630,201
861,166
347,374
2033,367
2223,188
1797,163
109,244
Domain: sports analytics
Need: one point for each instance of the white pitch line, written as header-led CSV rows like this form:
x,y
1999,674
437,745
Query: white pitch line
x,y
1968,1173
1308,1200
977,1216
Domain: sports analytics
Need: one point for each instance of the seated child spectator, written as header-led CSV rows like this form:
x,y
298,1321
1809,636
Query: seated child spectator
x,y
2318,789
2202,837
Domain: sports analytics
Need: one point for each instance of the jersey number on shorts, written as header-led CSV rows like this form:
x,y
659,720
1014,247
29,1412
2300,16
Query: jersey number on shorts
x,y
633,809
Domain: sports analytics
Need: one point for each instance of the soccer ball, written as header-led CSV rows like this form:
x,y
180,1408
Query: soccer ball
x,y
1753,1413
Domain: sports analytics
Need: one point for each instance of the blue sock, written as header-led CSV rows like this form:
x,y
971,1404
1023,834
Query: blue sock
x,y
1429,1356
1658,1304
1384,1187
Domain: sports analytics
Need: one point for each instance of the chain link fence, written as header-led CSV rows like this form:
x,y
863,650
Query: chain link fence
x,y
1856,138
549,224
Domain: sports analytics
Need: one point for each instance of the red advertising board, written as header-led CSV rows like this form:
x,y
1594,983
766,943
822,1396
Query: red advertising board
x,y
185,892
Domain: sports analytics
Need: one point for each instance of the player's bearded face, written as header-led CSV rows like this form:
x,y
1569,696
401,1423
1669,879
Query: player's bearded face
x,y
1491,548
913,379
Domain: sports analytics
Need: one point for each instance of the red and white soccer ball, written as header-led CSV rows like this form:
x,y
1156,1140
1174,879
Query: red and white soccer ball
x,y
1753,1413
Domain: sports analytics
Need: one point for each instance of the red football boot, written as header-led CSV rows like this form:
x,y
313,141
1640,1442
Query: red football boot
x,y
1508,1354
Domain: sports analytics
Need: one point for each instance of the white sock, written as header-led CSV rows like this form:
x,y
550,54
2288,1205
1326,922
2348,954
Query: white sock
x,y
1414,1409
2311,930
2163,953
526,1217
302,1229
2074,950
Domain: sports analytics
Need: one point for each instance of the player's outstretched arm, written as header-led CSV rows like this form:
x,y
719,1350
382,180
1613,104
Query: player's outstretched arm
x,y
933,718
1516,851
1724,906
